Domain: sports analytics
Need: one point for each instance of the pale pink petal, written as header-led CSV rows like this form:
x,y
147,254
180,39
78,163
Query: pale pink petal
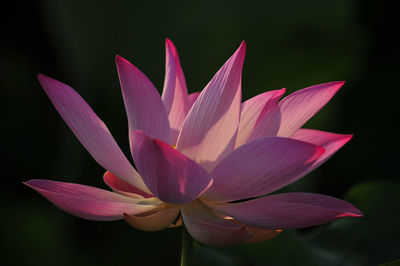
x,y
209,130
90,130
260,167
153,222
170,175
253,111
175,96
192,98
268,125
331,142
90,202
297,108
210,229
143,104
259,234
120,186
288,210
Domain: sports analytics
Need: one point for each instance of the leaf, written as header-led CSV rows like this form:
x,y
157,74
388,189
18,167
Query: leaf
x,y
367,241
392,263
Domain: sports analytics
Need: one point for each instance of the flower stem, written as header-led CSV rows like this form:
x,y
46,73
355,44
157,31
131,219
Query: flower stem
x,y
187,248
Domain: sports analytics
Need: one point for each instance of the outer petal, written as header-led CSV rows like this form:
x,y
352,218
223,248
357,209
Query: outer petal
x,y
289,210
261,234
301,105
175,96
253,110
143,104
169,174
90,202
260,167
210,229
90,130
209,131
153,222
331,142
120,186
192,98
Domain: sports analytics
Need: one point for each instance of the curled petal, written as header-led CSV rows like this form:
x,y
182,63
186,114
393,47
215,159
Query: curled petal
x,y
175,96
210,229
143,104
156,221
90,202
120,186
288,210
170,175
253,112
261,167
209,130
90,130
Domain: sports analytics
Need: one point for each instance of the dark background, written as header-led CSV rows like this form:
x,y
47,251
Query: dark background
x,y
292,44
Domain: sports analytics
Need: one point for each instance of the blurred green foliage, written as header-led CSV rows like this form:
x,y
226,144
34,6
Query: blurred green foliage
x,y
291,44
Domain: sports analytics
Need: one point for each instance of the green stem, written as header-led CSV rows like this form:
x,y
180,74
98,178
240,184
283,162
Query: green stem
x,y
187,248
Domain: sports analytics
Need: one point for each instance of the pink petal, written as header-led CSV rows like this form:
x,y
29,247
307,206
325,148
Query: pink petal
x,y
331,142
261,234
153,222
169,174
143,104
90,130
260,167
175,96
253,111
192,98
289,210
210,229
209,130
90,202
268,125
120,186
297,108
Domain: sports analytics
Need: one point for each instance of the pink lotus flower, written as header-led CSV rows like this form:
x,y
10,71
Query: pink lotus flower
x,y
204,158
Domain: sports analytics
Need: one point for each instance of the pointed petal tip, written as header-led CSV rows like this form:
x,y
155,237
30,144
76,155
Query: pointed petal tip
x,y
168,41
242,47
354,212
43,78
282,91
119,59
336,84
347,137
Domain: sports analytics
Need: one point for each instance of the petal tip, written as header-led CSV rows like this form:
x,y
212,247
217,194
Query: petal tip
x,y
43,78
168,42
355,213
337,84
347,137
119,59
242,47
